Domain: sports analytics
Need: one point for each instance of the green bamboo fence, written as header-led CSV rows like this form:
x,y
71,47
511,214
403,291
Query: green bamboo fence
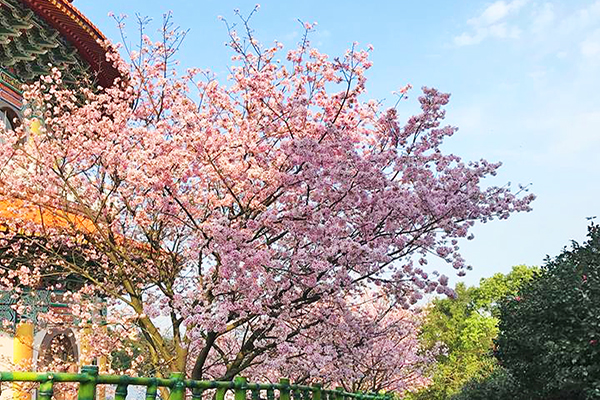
x,y
180,388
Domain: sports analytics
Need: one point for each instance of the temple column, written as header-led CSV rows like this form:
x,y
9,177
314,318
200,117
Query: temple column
x,y
23,357
103,369
85,357
35,126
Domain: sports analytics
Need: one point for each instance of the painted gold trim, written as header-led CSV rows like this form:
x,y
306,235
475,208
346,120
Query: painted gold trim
x,y
77,18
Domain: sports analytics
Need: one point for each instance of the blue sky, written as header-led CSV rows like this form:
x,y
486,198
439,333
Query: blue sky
x,y
524,77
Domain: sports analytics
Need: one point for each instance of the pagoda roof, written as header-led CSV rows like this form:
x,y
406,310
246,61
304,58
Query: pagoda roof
x,y
78,30
42,217
37,33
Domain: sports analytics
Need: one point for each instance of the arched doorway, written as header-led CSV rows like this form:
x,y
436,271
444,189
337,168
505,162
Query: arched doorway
x,y
10,118
58,351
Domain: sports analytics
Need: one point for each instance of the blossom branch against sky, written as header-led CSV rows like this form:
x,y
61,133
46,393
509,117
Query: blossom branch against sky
x,y
524,89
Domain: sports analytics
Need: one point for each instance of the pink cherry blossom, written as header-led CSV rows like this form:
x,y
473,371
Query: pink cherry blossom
x,y
249,216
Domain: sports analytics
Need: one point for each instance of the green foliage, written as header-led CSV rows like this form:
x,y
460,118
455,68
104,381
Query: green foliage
x,y
466,326
492,290
499,385
123,358
550,332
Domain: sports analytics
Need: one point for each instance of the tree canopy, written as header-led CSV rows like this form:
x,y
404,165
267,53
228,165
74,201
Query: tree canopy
x,y
255,220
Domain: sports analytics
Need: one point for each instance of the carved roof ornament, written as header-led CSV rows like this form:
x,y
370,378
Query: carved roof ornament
x,y
37,33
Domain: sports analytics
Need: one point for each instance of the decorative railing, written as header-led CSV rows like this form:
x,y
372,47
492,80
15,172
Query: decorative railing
x,y
180,388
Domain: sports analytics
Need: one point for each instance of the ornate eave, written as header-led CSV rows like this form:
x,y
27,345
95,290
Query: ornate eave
x,y
79,31
37,33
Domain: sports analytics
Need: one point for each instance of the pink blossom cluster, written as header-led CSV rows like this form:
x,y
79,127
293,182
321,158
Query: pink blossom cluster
x,y
366,343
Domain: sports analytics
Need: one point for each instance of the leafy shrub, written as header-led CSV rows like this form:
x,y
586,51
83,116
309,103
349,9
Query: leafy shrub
x,y
499,385
550,332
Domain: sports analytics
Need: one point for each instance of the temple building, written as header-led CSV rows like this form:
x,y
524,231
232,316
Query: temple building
x,y
35,36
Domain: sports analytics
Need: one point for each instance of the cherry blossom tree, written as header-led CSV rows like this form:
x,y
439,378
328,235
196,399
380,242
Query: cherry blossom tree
x,y
234,224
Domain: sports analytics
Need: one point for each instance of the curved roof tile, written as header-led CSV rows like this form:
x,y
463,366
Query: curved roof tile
x,y
79,31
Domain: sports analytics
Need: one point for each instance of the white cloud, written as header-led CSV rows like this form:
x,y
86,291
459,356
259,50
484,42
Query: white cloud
x,y
543,18
492,14
589,47
581,19
549,27
538,74
491,23
496,12
589,15
504,31
555,67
